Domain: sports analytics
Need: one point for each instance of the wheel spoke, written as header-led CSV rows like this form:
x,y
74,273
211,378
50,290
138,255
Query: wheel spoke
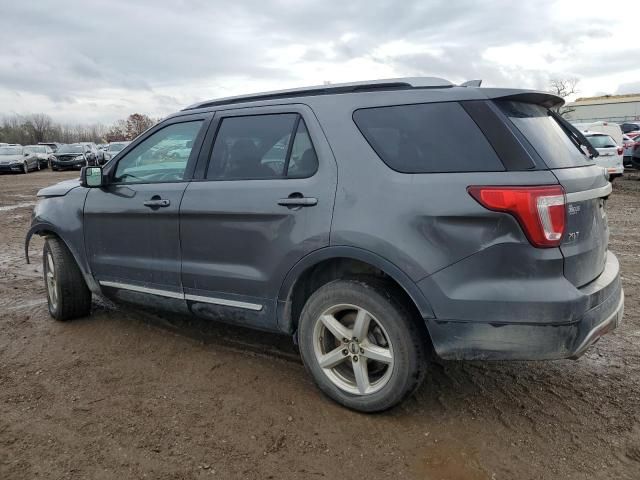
x,y
361,373
335,327
361,326
50,264
379,354
333,358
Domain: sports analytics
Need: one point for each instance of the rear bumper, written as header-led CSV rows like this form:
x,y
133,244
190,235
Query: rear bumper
x,y
537,338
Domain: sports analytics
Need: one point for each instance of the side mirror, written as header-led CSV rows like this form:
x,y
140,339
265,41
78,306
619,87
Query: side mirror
x,y
91,177
26,154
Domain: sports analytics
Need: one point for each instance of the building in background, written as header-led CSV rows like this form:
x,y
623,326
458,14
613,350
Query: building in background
x,y
612,108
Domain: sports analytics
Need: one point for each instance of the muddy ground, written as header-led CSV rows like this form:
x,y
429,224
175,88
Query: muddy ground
x,y
124,394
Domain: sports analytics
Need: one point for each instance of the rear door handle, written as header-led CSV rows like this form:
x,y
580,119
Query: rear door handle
x,y
157,202
298,201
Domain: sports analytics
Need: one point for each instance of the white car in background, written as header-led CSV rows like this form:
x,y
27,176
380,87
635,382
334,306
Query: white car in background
x,y
610,153
609,128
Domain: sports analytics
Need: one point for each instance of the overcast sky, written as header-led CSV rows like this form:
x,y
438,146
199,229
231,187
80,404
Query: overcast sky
x,y
99,60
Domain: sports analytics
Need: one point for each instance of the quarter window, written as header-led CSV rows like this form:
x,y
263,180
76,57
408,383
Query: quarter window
x,y
162,157
427,138
259,147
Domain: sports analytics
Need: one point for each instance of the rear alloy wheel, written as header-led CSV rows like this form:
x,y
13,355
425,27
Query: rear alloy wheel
x,y
362,346
67,294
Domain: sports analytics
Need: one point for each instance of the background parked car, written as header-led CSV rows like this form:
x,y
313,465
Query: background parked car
x,y
628,143
43,152
73,155
630,127
15,158
113,148
96,157
53,145
612,129
610,153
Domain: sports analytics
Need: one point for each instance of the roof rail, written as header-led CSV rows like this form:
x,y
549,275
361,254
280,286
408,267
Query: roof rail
x,y
366,86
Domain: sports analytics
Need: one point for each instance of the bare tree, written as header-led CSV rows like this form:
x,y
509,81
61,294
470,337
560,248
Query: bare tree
x,y
117,131
40,126
136,124
564,88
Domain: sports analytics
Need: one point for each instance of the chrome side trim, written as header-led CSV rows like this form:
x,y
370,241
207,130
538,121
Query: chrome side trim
x,y
223,301
589,194
137,288
194,298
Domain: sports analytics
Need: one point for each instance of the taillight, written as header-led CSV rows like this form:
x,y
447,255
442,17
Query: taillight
x,y
620,150
540,210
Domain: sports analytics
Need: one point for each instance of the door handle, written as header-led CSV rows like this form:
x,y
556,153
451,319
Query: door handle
x,y
157,202
298,201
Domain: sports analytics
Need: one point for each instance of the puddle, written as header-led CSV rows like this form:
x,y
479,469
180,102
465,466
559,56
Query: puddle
x,y
443,461
17,205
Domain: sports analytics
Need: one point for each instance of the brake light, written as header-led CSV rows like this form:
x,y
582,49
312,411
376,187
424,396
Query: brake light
x,y
540,210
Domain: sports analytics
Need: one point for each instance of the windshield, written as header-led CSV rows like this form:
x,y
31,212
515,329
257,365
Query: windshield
x,y
71,149
116,147
601,141
544,134
10,150
35,149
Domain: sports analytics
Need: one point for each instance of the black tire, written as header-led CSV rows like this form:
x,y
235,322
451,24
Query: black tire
x,y
408,342
72,296
25,168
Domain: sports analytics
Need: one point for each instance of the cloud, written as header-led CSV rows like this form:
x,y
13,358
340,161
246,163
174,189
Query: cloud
x,y
101,60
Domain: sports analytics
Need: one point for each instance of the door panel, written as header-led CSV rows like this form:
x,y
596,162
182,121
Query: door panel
x,y
240,237
132,232
133,243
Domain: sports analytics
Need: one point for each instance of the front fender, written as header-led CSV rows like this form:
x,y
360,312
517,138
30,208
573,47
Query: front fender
x,y
62,216
46,229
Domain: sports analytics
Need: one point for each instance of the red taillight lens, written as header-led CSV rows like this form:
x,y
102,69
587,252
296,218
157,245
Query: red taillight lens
x,y
620,150
539,210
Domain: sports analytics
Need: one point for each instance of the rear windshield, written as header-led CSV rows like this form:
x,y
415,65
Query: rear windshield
x,y
544,134
426,138
601,141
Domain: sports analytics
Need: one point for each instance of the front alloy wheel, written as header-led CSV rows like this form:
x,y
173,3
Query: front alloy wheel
x,y
67,294
50,280
25,167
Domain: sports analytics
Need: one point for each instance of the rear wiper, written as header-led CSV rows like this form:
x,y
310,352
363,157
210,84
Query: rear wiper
x,y
574,134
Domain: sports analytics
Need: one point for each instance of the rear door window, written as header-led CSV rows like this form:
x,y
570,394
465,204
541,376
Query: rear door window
x,y
544,134
427,138
260,147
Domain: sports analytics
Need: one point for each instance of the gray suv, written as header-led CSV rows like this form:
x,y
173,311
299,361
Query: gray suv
x,y
353,218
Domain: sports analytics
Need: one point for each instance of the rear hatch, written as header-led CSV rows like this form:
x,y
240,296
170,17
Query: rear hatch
x,y
586,237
